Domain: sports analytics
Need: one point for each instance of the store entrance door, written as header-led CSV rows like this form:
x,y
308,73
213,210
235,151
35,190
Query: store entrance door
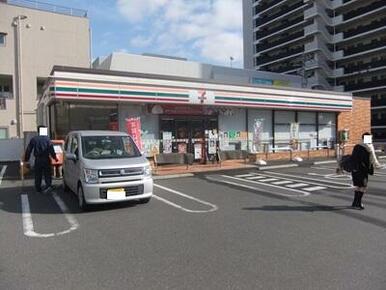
x,y
187,131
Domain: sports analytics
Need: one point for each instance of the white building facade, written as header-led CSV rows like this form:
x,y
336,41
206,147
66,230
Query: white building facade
x,y
35,36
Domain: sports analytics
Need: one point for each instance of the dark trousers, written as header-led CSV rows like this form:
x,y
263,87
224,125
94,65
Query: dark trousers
x,y
42,167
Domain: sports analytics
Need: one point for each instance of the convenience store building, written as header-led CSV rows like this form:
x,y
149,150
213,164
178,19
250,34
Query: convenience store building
x,y
176,113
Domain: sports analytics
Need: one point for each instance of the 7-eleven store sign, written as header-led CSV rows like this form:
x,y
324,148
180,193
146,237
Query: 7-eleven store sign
x,y
201,97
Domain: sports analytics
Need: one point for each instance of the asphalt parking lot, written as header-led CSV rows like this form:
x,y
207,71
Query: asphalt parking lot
x,y
289,228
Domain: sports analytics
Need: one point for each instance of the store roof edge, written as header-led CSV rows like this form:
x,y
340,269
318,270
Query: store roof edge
x,y
72,69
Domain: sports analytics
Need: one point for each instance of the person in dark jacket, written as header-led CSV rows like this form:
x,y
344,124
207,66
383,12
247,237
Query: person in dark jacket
x,y
364,160
42,148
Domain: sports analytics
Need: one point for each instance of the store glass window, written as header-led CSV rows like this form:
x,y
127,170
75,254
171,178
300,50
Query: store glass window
x,y
3,133
259,130
307,130
78,116
283,121
327,129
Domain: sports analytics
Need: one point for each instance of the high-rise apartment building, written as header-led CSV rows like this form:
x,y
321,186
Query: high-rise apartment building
x,y
34,37
333,44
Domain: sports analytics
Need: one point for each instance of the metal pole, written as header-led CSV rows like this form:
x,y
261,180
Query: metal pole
x,y
19,79
90,45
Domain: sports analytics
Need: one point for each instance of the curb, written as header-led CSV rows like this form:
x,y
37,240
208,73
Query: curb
x,y
324,162
277,166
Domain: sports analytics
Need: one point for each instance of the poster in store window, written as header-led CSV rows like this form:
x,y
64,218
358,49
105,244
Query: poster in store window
x,y
133,127
294,131
167,142
182,147
197,151
257,131
212,142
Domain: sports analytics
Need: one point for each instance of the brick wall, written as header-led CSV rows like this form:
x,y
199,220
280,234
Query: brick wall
x,y
357,121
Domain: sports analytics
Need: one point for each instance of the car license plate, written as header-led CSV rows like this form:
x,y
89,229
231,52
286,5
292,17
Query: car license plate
x,y
117,193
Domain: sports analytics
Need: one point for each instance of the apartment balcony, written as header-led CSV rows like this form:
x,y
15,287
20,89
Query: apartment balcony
x,y
326,70
381,102
318,81
363,10
378,122
6,95
318,10
364,47
366,85
363,29
286,24
264,46
365,66
316,45
261,7
318,27
279,56
285,68
264,19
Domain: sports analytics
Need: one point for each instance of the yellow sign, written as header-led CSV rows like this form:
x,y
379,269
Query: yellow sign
x,y
281,83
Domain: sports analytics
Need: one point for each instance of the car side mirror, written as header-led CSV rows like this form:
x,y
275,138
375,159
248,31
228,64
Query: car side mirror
x,y
71,156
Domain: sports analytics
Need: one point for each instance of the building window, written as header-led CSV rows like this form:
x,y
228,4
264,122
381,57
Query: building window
x,y
282,127
3,133
3,104
2,39
326,128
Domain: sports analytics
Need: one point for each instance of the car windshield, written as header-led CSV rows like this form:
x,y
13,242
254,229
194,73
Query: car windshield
x,y
109,147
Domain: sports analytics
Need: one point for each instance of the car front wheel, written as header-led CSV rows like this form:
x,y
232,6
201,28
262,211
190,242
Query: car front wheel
x,y
81,200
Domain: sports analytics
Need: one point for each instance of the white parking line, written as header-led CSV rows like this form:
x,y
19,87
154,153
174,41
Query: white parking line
x,y
282,182
2,172
28,225
245,175
328,183
254,177
268,179
332,176
213,207
297,185
314,188
302,193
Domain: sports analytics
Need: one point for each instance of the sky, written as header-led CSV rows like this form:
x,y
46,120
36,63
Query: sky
x,y
208,31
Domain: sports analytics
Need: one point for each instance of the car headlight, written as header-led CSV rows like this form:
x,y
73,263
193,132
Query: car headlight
x,y
91,175
147,171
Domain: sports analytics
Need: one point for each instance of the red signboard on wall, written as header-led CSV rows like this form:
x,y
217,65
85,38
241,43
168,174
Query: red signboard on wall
x,y
133,126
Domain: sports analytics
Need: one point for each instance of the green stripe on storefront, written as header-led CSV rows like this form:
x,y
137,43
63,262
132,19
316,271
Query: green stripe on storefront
x,y
117,92
279,102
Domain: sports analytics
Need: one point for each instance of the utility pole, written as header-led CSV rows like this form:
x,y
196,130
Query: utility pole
x,y
20,111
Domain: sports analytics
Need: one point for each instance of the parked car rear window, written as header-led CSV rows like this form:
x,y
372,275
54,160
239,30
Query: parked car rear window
x,y
109,147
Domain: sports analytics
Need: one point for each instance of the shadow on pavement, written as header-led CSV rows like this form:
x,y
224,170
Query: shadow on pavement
x,y
40,203
298,208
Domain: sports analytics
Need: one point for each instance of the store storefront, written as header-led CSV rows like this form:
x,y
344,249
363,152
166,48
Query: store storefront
x,y
191,115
